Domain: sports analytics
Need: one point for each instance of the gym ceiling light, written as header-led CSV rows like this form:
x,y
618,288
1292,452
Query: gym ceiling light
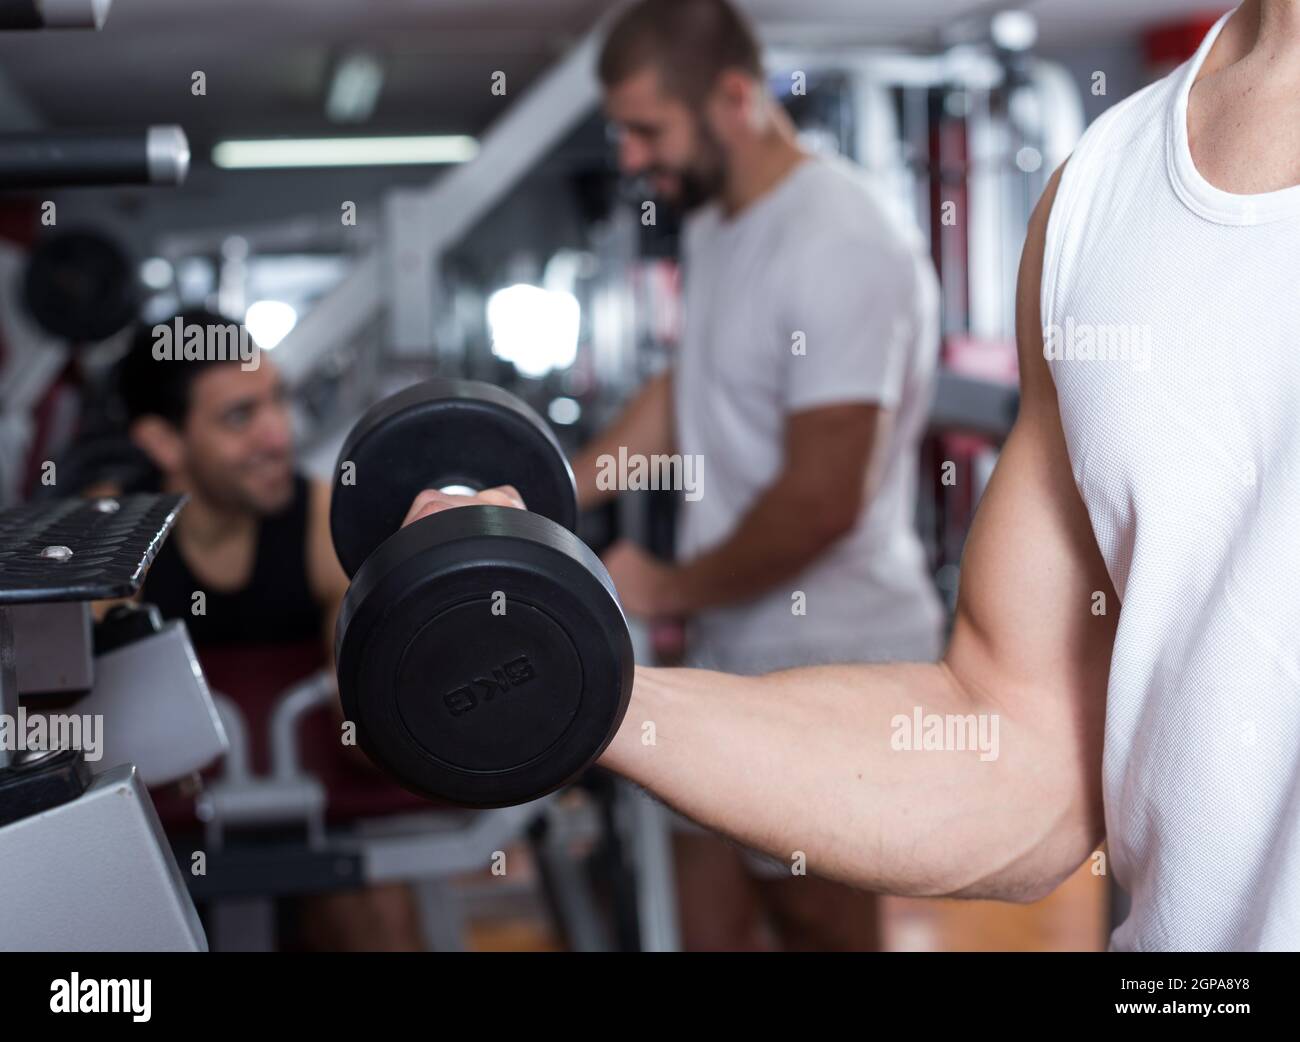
x,y
284,153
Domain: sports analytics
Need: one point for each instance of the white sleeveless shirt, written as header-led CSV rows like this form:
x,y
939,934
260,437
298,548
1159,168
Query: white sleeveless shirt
x,y
1172,322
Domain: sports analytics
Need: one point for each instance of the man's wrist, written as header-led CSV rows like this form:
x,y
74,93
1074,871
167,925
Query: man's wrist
x,y
620,754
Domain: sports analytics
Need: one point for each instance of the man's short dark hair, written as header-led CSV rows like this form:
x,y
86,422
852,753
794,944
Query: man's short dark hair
x,y
149,386
689,42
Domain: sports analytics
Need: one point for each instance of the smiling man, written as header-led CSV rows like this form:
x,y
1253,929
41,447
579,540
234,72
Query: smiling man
x,y
803,377
253,541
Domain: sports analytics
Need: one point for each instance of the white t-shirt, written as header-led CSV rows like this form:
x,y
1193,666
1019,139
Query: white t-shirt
x,y
816,294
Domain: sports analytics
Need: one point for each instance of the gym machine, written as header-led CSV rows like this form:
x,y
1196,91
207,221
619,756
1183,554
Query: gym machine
x,y
91,713
83,856
160,155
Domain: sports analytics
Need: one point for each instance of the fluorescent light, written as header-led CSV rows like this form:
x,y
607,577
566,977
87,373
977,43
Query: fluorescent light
x,y
354,88
534,328
269,321
280,153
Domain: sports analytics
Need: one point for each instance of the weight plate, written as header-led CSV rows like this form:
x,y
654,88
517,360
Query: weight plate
x,y
80,285
460,702
437,434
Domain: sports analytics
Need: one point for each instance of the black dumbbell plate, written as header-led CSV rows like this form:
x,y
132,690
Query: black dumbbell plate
x,y
436,434
476,707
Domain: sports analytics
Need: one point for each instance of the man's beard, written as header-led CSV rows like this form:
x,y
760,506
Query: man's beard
x,y
697,188
704,181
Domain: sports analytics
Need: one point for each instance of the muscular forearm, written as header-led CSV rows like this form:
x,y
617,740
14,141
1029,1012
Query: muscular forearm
x,y
805,761
644,428
772,544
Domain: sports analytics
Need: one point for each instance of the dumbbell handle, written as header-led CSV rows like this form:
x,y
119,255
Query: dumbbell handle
x,y
159,155
456,487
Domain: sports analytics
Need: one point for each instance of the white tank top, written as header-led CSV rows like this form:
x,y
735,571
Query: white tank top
x,y
1172,322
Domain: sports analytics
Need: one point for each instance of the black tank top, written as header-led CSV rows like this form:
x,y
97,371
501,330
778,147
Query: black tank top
x,y
276,606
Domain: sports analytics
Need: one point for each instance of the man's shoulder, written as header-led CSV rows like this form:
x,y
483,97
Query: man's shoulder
x,y
1141,111
841,210
837,175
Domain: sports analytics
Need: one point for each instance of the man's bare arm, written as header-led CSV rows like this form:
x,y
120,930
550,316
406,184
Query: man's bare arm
x,y
644,427
801,761
825,477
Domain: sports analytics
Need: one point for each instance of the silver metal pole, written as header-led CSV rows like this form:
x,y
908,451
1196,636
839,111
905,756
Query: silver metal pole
x,y
656,890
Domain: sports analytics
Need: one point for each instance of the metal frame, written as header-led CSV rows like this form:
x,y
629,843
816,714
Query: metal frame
x,y
423,848
399,279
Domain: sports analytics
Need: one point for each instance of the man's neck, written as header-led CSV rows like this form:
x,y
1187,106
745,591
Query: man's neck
x,y
205,524
1278,27
1265,31
762,165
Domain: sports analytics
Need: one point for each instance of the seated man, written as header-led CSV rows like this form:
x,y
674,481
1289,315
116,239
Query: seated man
x,y
254,542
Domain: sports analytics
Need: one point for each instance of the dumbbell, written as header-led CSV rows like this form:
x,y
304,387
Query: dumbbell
x,y
481,651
